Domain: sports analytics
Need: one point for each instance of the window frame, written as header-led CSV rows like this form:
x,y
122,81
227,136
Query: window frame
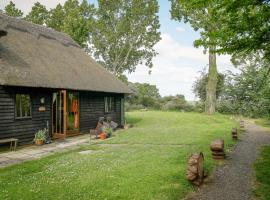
x,y
30,106
109,104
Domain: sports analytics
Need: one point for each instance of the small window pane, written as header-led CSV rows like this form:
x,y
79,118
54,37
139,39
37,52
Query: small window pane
x,y
106,104
109,104
23,106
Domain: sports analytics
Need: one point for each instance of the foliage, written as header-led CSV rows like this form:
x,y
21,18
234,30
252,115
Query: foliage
x,y
144,94
38,14
108,131
201,16
74,19
176,103
12,11
199,86
151,154
41,134
147,96
245,27
78,20
123,78
262,171
124,34
248,93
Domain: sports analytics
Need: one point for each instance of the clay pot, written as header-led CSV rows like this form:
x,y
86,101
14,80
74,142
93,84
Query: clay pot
x,y
39,142
102,136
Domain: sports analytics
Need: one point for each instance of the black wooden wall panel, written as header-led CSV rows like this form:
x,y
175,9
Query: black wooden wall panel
x,y
23,129
91,108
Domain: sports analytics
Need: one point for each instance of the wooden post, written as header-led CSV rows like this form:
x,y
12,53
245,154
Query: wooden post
x,y
217,148
234,133
242,124
195,168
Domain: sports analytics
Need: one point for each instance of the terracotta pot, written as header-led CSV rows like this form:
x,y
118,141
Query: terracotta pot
x,y
102,136
39,142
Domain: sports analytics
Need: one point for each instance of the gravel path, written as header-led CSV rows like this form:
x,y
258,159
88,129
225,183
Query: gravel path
x,y
233,180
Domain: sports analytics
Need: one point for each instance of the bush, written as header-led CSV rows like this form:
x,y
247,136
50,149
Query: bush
x,y
131,107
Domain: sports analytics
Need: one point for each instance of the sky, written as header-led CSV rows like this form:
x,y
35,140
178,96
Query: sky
x,y
177,64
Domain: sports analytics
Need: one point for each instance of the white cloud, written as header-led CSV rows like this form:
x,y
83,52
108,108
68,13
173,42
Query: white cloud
x,y
176,67
26,5
180,29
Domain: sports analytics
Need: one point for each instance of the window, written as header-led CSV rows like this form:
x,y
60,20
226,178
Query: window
x,y
109,104
23,106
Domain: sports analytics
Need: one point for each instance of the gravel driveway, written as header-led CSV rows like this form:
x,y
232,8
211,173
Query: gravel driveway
x,y
233,180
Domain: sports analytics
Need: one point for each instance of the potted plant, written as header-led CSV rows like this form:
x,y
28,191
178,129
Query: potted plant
x,y
108,131
40,137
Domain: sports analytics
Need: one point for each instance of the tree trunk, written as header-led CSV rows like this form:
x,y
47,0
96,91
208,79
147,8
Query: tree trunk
x,y
211,87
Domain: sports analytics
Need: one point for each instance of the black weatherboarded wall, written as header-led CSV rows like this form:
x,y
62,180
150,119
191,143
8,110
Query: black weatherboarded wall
x,y
23,129
91,108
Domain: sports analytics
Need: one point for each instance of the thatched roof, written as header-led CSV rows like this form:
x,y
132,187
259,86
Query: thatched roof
x,y
35,56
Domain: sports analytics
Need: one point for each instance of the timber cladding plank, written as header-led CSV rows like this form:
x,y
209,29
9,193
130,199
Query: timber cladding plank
x,y
92,107
23,129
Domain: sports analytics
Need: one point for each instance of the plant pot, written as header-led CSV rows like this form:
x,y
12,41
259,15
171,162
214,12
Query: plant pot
x,y
39,142
102,136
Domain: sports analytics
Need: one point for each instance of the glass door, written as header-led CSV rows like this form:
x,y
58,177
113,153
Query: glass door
x,y
73,113
59,114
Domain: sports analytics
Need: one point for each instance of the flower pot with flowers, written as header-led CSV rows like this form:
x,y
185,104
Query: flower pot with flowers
x,y
40,136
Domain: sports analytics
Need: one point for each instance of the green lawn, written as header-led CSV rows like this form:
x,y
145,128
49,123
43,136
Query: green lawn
x,y
262,168
145,162
263,122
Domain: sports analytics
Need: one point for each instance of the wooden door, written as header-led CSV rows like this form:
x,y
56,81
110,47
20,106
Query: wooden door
x,y
59,119
73,113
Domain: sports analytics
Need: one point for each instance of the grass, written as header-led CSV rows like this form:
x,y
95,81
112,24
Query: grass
x,y
263,122
147,161
262,169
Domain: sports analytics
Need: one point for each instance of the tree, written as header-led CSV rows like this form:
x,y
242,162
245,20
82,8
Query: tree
x,y
12,11
144,94
124,34
56,18
73,18
199,86
177,102
78,20
38,14
248,93
245,27
201,16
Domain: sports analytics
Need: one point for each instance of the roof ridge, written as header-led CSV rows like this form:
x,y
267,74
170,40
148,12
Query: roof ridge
x,y
37,30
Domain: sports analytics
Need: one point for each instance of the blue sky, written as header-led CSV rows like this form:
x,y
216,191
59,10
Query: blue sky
x,y
178,63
